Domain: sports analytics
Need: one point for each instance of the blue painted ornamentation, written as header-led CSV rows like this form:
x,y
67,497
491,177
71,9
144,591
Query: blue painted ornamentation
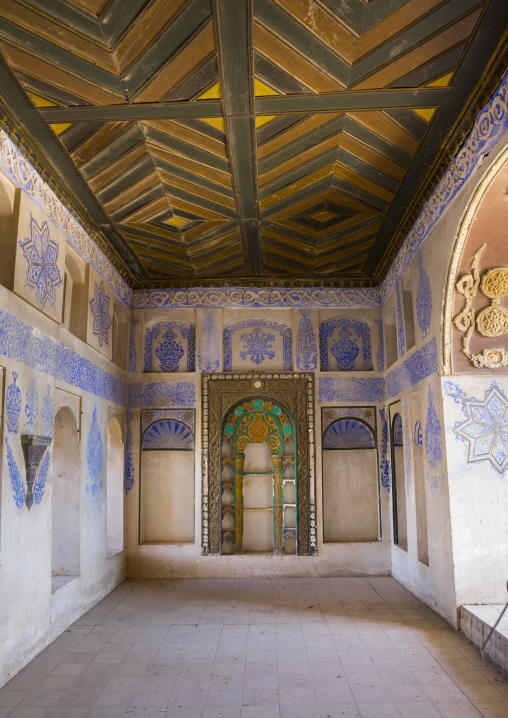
x,y
17,483
40,480
433,436
47,413
13,405
415,368
401,341
348,434
209,356
330,414
182,393
306,348
132,360
99,307
25,344
380,357
385,474
128,480
347,337
417,434
258,342
41,254
167,434
31,408
345,350
169,352
94,459
486,428
340,389
257,346
423,299
456,393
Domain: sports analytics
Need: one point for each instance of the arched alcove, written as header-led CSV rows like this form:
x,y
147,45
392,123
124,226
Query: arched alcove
x,y
167,477
66,500
399,512
350,482
114,488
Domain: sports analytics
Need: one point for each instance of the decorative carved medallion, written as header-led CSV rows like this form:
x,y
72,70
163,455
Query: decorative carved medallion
x,y
491,321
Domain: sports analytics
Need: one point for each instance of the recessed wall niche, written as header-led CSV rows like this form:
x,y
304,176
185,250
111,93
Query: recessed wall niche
x,y
255,499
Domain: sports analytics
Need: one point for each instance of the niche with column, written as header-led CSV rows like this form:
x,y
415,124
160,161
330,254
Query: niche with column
x,y
167,476
258,492
9,217
407,304
399,499
114,488
350,475
258,464
65,500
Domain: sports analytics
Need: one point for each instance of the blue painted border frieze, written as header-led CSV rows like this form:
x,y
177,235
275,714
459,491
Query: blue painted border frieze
x,y
181,393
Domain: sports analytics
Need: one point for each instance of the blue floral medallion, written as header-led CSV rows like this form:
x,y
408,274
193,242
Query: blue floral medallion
x,y
345,350
169,352
13,405
257,346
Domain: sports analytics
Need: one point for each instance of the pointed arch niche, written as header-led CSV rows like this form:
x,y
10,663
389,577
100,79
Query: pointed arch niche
x,y
258,464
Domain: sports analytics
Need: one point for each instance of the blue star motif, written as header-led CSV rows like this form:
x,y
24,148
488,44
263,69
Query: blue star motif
x,y
486,429
257,346
41,253
100,310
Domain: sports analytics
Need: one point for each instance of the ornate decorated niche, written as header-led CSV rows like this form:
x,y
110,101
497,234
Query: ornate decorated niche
x,y
476,311
345,345
241,410
169,346
256,341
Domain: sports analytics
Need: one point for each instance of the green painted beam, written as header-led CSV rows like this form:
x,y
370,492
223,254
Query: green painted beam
x,y
352,101
112,113
233,21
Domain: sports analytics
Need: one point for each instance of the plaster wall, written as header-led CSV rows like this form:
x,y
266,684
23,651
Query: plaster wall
x,y
45,363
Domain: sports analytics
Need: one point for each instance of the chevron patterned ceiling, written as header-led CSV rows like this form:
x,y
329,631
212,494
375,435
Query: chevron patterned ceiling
x,y
229,140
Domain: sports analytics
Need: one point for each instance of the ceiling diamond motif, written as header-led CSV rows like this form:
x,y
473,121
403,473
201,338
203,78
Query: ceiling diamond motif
x,y
198,163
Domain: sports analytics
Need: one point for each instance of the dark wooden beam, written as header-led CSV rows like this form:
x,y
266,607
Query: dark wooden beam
x,y
234,39
339,102
352,101
112,113
18,108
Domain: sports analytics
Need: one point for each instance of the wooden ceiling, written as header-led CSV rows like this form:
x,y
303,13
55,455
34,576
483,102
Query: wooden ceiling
x,y
283,140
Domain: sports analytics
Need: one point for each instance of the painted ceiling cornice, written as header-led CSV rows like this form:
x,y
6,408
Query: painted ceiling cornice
x,y
264,143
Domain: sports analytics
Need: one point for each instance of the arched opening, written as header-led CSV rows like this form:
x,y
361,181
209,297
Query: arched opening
x,y
114,489
66,500
398,484
258,479
350,482
167,478
75,301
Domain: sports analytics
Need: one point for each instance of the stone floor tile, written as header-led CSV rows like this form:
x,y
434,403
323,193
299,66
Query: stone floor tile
x,y
12,698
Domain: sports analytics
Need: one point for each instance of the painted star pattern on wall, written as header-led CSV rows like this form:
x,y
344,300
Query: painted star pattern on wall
x,y
41,253
486,428
100,311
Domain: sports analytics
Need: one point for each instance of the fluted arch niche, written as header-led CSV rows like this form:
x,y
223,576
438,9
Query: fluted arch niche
x,y
258,463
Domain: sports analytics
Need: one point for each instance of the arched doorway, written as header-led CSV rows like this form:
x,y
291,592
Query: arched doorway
x,y
114,488
66,500
398,484
258,491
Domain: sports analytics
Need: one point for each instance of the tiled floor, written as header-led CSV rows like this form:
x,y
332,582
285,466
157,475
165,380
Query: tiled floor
x,y
295,648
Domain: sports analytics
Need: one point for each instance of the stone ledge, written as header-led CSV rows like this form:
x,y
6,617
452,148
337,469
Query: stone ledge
x,y
476,622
